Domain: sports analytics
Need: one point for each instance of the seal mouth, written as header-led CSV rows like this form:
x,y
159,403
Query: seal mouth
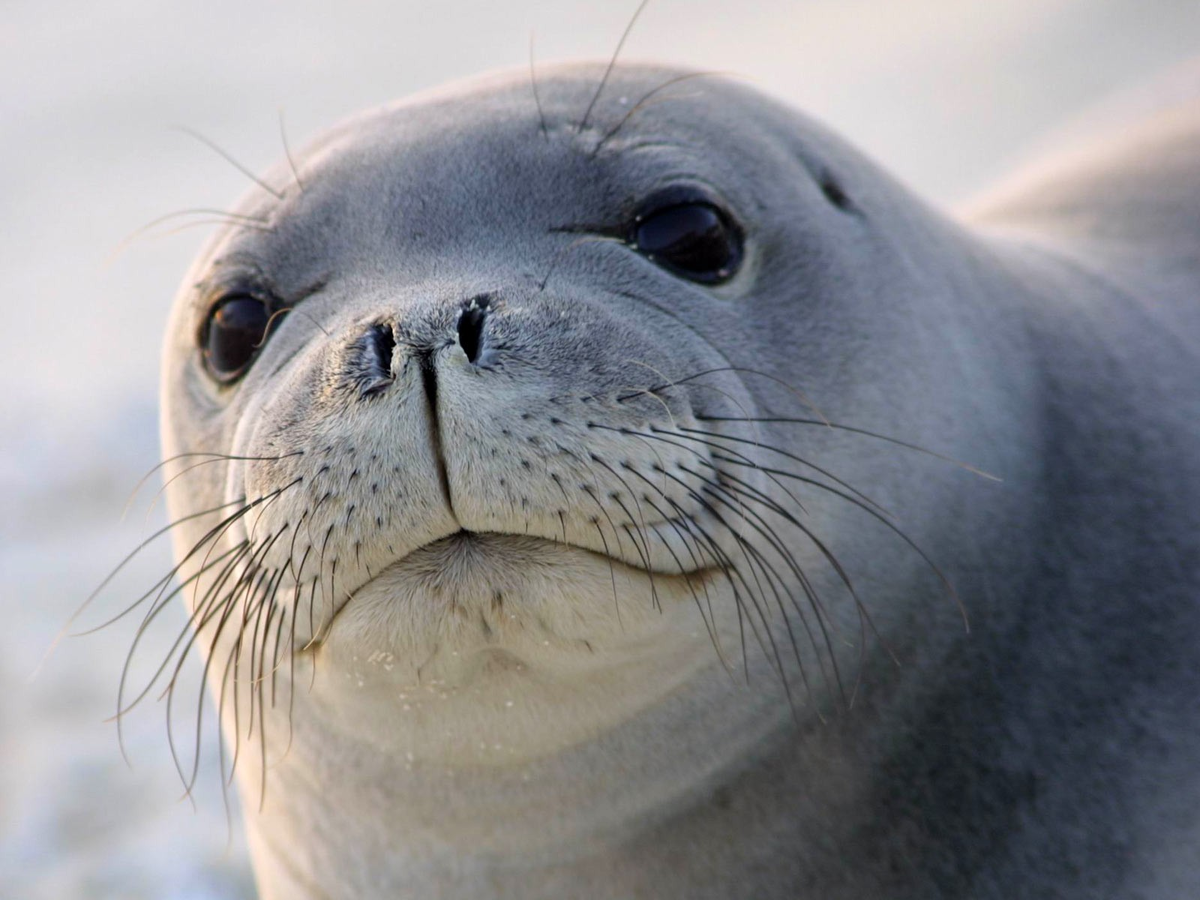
x,y
473,549
465,555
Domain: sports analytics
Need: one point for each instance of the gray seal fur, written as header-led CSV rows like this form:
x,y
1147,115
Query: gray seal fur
x,y
610,599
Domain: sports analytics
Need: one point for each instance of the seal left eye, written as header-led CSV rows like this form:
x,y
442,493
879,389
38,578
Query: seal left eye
x,y
233,334
695,240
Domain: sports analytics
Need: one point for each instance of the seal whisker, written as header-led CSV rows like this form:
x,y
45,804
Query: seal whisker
x,y
215,603
235,655
123,708
212,145
864,615
291,555
668,383
226,604
211,457
753,595
287,152
160,603
148,233
741,370
951,592
216,457
202,613
738,495
276,644
124,562
235,732
708,437
642,531
269,501
850,428
641,393
265,603
218,216
776,583
587,489
744,489
291,681
282,311
536,96
611,63
761,527
260,677
708,620
642,103
657,434
160,585
612,572
185,632
733,576
314,639
755,563
253,606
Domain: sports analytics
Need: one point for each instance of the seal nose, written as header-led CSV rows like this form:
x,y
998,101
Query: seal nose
x,y
470,325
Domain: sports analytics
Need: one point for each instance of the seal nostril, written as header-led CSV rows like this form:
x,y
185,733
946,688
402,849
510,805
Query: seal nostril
x,y
470,326
385,345
371,365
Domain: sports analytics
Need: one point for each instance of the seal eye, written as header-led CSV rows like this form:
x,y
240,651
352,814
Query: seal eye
x,y
695,240
235,330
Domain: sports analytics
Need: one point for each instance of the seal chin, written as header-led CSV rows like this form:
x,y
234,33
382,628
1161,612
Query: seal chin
x,y
491,632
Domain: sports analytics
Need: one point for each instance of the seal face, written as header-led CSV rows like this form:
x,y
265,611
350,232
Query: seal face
x,y
561,505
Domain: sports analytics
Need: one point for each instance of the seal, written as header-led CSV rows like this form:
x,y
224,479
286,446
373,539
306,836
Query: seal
x,y
565,502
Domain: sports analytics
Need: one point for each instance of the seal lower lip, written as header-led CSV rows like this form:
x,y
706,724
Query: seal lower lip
x,y
472,551
485,540
483,544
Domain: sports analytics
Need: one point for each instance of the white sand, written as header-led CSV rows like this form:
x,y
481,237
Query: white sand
x,y
946,93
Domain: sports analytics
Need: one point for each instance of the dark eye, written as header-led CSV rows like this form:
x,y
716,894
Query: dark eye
x,y
695,240
235,330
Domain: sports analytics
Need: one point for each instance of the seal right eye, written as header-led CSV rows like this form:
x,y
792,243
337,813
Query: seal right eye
x,y
233,334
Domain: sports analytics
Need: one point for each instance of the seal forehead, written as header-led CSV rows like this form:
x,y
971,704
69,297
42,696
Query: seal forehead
x,y
413,186
439,177
504,131
573,98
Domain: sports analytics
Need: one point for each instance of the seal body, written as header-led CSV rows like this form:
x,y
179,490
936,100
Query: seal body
x,y
583,518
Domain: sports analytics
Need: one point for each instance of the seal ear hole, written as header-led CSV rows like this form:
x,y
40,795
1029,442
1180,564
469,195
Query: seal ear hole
x,y
834,193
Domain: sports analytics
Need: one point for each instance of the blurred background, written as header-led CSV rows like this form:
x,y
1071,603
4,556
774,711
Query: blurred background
x,y
947,94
